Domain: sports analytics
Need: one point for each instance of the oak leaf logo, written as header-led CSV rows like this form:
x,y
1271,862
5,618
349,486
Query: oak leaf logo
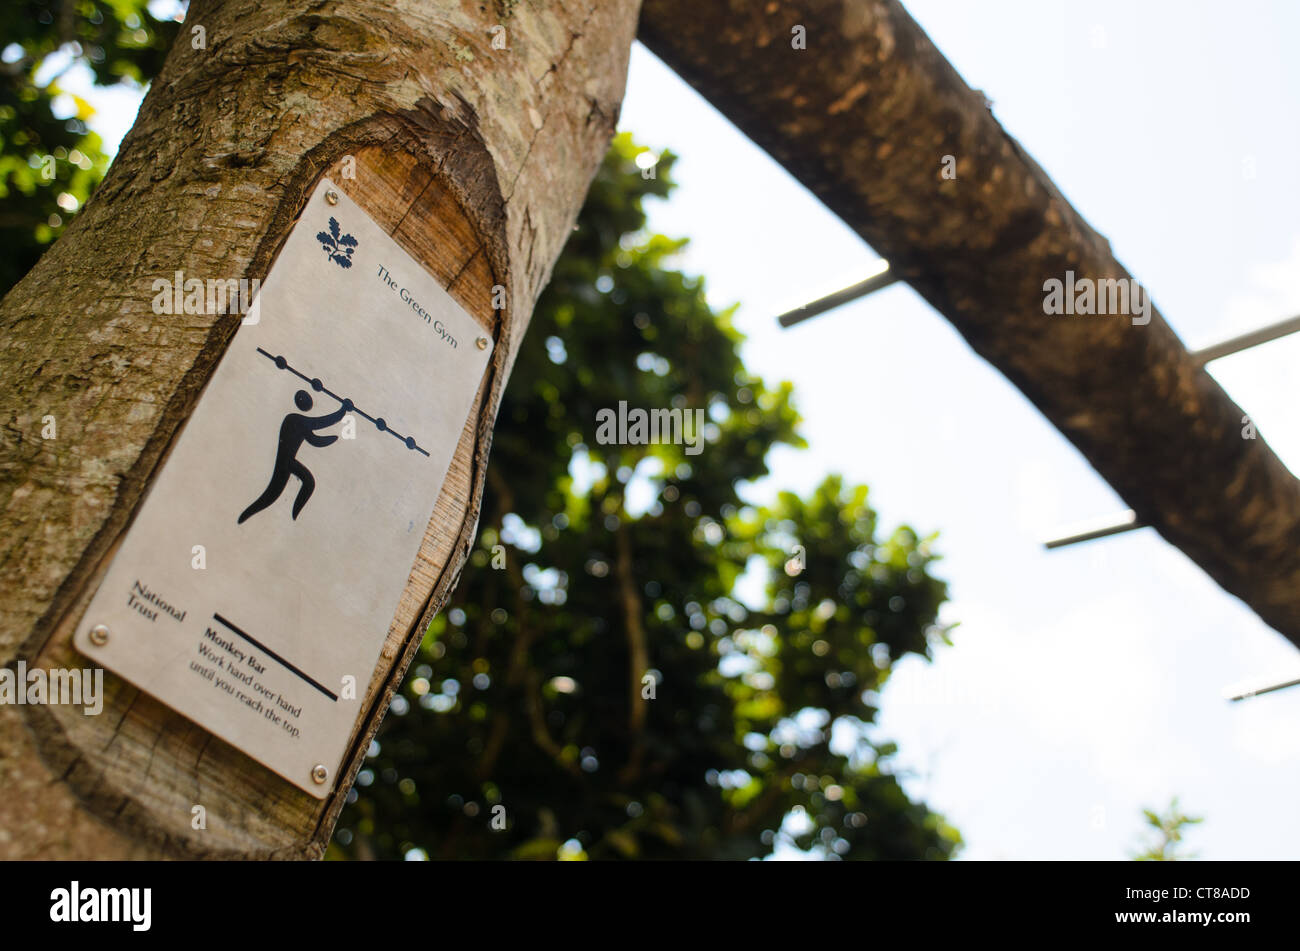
x,y
338,246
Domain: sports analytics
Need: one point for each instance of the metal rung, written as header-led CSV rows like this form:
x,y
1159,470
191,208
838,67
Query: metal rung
x,y
1247,694
1247,340
861,289
1115,525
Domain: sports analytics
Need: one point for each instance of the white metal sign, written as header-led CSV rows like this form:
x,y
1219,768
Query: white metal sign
x,y
255,587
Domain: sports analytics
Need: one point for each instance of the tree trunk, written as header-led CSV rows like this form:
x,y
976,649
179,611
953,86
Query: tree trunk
x,y
865,116
475,158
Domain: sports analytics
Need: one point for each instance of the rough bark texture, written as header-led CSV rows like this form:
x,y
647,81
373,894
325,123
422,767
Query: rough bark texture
x,y
475,159
863,117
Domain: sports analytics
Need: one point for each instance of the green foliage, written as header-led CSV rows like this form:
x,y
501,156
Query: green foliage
x,y
1169,830
49,160
526,727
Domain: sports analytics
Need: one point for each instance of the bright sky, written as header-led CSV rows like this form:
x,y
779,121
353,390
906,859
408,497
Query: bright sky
x,y
1084,684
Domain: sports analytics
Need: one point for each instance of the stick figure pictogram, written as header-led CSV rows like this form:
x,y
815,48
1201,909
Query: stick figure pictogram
x,y
294,431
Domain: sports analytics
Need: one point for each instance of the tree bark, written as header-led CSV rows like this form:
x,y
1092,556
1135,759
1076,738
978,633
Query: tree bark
x,y
475,158
864,117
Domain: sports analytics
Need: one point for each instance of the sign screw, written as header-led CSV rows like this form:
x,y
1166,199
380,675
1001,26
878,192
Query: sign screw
x,y
319,773
482,343
99,635
332,197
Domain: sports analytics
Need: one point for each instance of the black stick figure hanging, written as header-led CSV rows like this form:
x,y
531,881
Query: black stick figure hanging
x,y
294,431
297,429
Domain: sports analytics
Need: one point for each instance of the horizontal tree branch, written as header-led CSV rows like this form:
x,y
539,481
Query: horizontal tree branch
x,y
864,117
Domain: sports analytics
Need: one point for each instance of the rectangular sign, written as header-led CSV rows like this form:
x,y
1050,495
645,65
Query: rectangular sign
x,y
261,574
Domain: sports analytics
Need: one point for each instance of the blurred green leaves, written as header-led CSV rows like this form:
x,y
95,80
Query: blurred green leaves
x,y
1169,828
50,161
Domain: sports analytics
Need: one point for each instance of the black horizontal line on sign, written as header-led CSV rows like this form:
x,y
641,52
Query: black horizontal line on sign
x,y
270,653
